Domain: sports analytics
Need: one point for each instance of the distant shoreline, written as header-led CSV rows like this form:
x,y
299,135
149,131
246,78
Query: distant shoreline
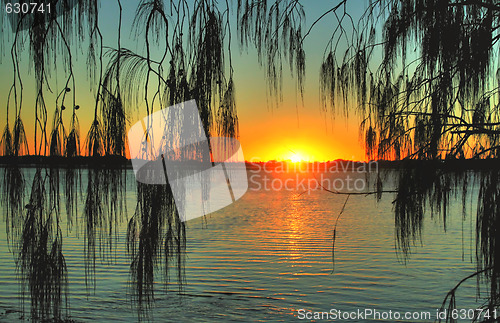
x,y
67,162
122,162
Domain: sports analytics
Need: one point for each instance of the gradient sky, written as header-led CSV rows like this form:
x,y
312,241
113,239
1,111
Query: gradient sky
x,y
290,131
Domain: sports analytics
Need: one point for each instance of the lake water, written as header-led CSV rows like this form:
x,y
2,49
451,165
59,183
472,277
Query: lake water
x,y
267,256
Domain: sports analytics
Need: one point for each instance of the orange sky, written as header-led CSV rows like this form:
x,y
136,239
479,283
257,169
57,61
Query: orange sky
x,y
270,132
290,131
310,136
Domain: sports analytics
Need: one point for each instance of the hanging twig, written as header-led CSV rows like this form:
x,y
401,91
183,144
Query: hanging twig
x,y
335,232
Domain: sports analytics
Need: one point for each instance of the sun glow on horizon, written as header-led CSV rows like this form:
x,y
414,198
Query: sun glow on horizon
x,y
296,157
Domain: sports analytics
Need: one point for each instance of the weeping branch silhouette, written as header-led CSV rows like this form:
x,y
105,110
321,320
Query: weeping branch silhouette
x,y
187,56
424,77
432,96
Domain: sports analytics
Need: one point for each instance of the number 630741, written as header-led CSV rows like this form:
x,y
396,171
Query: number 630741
x,y
27,8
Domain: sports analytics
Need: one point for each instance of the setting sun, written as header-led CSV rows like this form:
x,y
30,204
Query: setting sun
x,y
296,158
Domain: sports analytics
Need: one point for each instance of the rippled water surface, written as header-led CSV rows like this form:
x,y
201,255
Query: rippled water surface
x,y
270,254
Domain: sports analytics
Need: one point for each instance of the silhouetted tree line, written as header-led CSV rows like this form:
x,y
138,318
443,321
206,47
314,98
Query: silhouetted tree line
x,y
423,74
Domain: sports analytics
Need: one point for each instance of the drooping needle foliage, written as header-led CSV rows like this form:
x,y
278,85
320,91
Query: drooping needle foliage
x,y
422,74
424,77
187,55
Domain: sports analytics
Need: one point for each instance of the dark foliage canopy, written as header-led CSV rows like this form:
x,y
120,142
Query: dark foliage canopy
x,y
423,74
